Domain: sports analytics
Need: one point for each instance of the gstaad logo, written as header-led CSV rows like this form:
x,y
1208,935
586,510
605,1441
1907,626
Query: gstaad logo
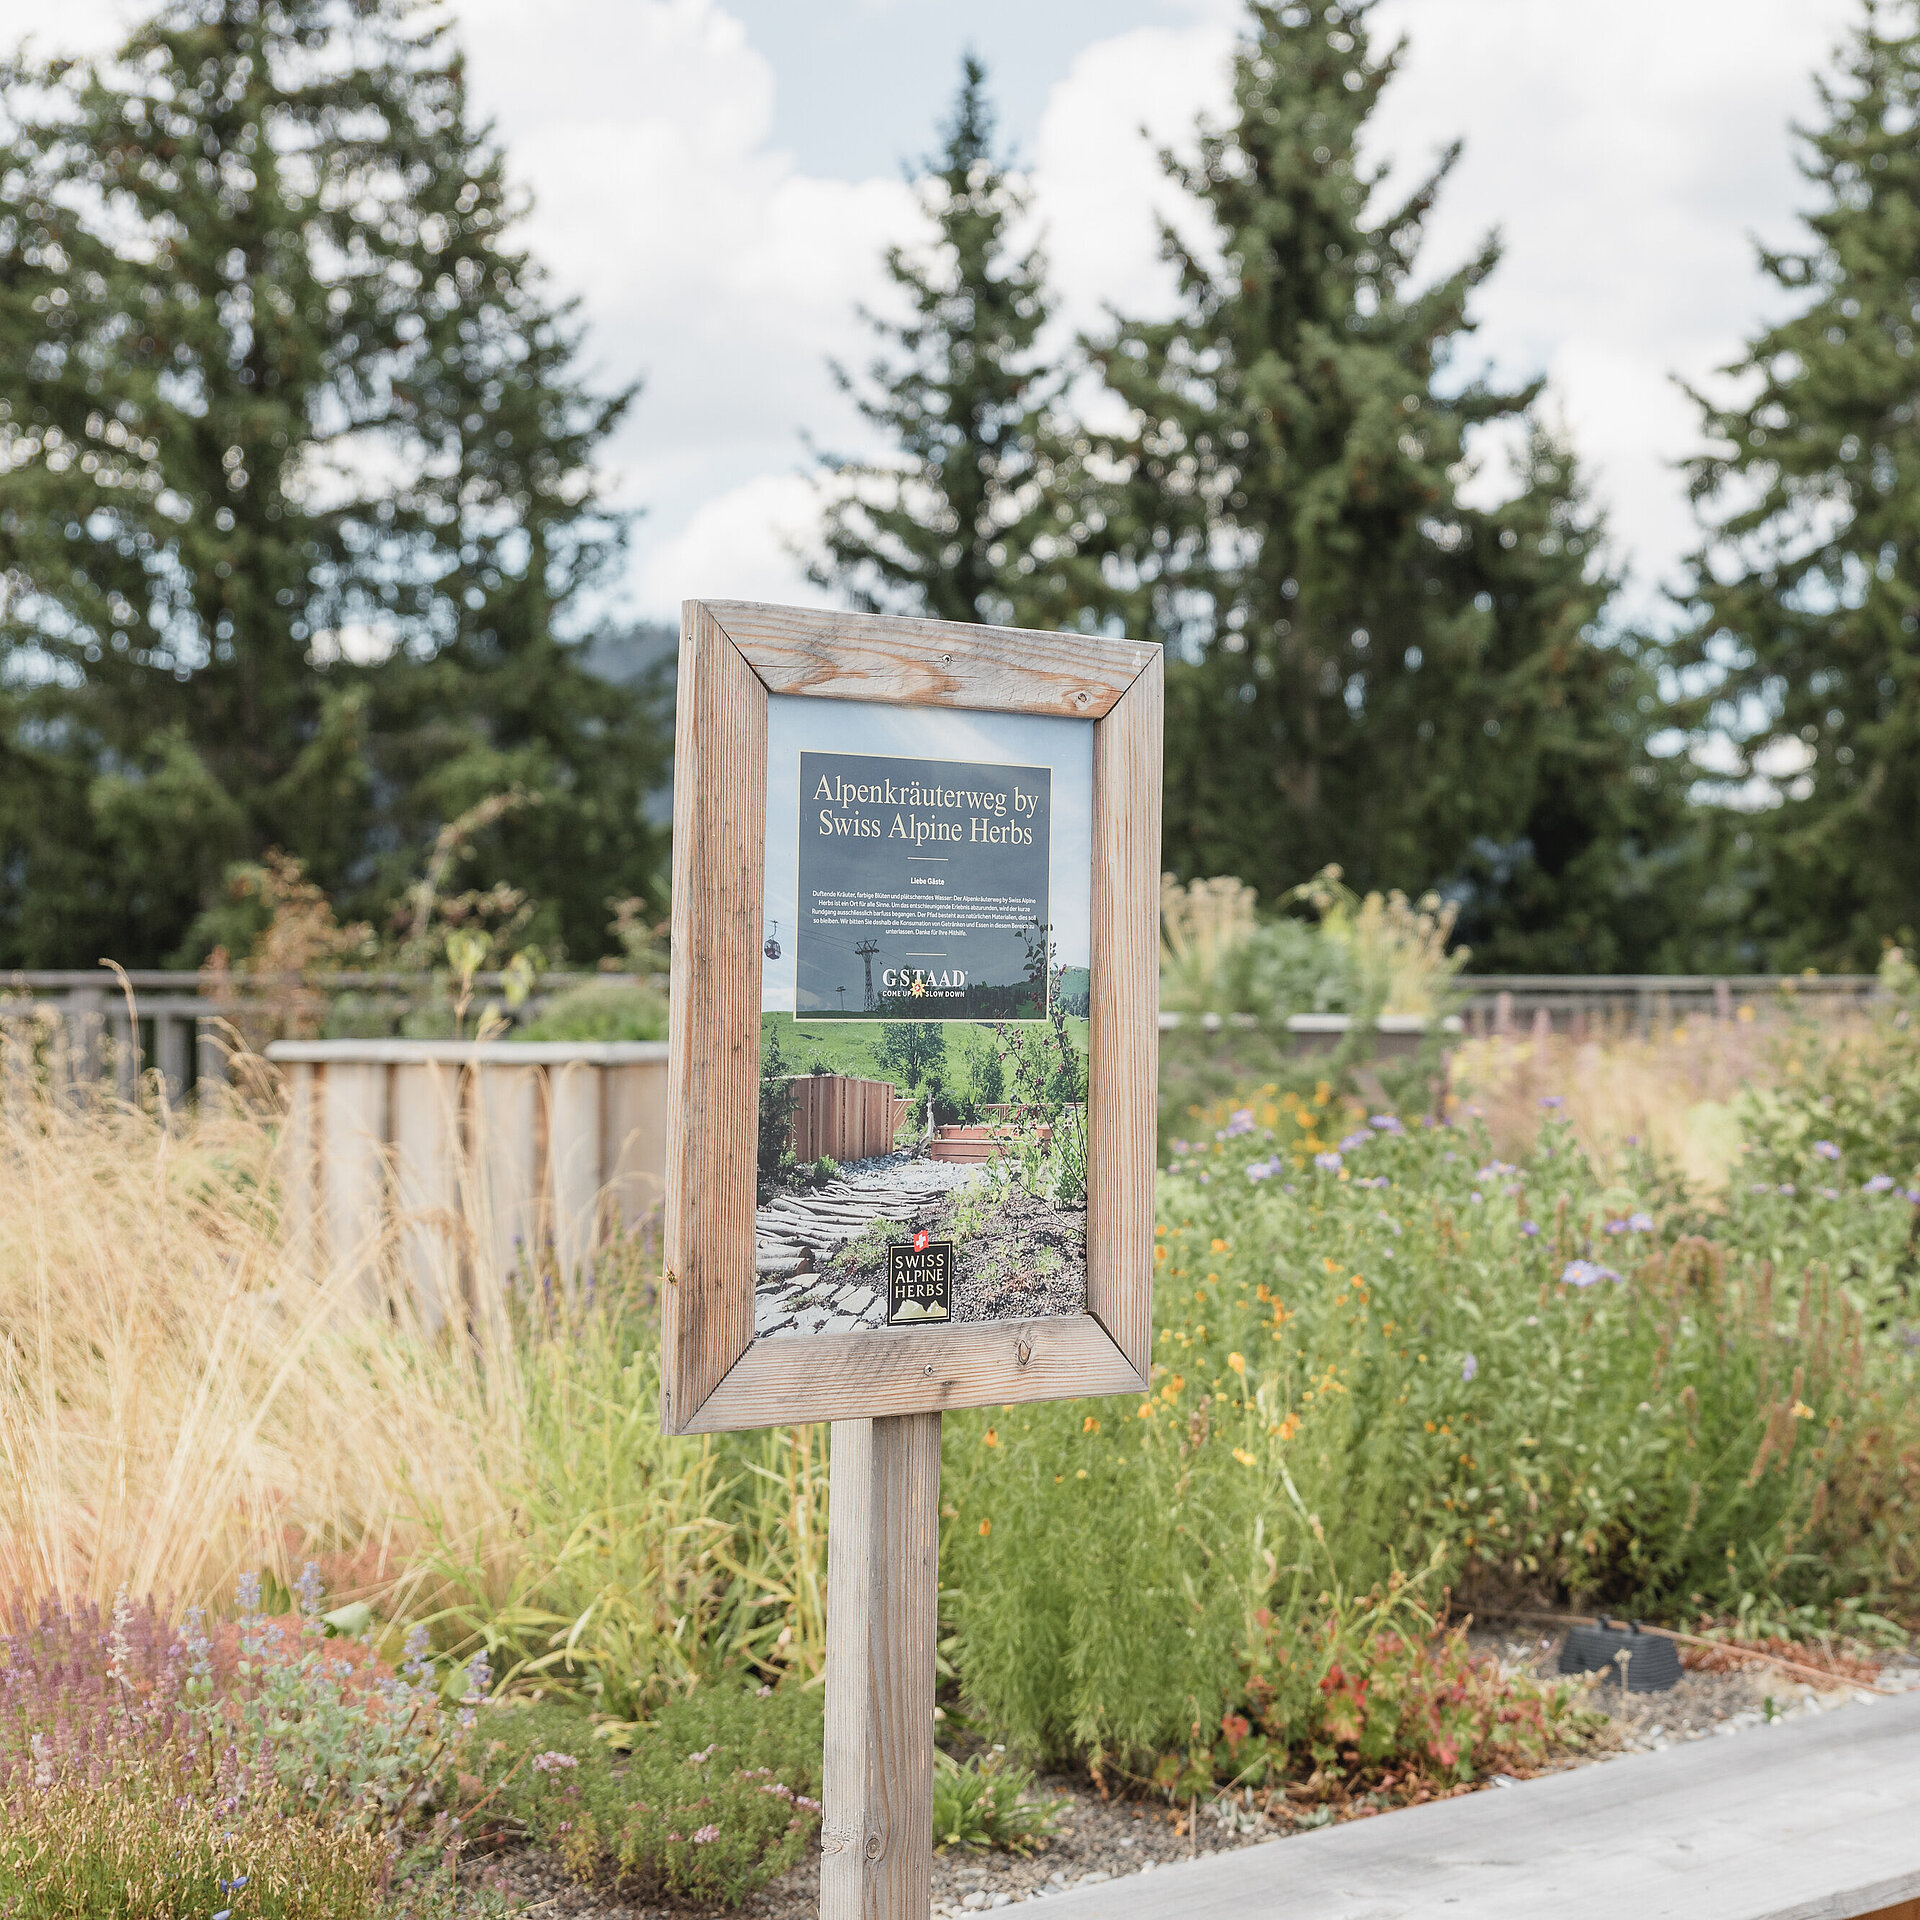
x,y
918,980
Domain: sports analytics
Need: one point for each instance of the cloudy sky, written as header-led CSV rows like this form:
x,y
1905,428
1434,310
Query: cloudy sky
x,y
716,179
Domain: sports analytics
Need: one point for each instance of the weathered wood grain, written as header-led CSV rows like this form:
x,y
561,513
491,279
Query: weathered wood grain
x,y
922,663
299,1154
353,1134
1124,1036
574,1159
895,1370
883,1553
719,847
506,1115
425,1118
1816,1819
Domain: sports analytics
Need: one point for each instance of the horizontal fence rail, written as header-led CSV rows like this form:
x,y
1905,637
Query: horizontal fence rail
x,y
169,1020
114,1026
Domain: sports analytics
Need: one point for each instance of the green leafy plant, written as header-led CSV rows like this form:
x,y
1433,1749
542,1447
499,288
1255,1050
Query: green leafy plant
x,y
712,1797
599,1010
1375,1340
987,1801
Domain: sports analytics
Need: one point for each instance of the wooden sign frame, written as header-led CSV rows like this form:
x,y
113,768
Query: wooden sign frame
x,y
733,654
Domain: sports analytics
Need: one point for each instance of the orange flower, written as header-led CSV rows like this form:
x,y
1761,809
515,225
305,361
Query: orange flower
x,y
1089,1425
1237,1361
986,1527
992,1438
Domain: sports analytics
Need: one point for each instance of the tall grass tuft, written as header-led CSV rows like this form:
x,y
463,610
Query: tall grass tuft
x,y
182,1398
178,1403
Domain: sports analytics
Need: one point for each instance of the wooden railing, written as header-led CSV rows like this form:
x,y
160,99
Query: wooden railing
x,y
485,1162
113,1026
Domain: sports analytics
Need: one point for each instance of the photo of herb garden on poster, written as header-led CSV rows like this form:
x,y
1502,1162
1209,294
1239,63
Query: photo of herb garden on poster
x,y
923,1075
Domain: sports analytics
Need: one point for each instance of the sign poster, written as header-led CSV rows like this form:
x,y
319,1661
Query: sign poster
x,y
924,999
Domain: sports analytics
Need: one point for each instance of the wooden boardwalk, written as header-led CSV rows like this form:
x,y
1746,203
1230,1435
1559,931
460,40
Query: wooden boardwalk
x,y
1816,1818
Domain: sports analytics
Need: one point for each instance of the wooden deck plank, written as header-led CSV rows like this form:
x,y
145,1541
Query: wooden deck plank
x,y
1815,1819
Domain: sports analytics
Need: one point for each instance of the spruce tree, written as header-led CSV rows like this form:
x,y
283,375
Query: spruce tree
x,y
1362,666
978,517
298,492
1807,581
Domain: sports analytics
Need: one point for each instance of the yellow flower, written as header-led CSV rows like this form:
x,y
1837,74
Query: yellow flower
x,y
1146,1409
1237,1361
1089,1425
1801,1411
1219,1246
1243,1456
1289,1427
1081,1475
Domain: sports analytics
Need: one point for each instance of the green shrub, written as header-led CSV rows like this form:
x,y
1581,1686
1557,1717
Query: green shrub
x,y
987,1801
600,1010
1375,1343
637,1565
1288,967
713,1797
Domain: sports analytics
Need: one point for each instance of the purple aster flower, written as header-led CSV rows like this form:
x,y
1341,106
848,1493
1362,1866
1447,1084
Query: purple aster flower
x,y
1262,1170
1239,1121
1825,1150
1476,1198
1327,1162
1530,1228
1759,1186
1616,1226
1880,1183
1387,1123
1828,1193
1354,1140
1789,1189
1179,1146
1639,1223
1469,1367
1911,1194
1553,1100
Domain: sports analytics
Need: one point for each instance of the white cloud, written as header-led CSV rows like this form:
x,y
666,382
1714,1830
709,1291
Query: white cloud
x,y
735,546
1626,156
1625,153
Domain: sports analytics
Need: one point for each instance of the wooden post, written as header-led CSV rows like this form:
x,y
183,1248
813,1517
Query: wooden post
x,y
883,1553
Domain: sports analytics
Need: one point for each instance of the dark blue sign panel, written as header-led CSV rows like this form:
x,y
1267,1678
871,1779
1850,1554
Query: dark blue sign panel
x,y
923,889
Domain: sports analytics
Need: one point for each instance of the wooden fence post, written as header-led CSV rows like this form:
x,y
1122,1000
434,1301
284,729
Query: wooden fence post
x,y
883,1580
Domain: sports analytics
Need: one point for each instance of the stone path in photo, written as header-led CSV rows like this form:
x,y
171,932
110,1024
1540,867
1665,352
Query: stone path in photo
x,y
797,1234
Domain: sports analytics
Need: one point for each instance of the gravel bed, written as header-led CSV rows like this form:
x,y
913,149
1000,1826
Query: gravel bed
x,y
1102,1839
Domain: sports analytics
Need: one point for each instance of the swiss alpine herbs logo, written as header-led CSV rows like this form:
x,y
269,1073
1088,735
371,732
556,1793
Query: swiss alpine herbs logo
x,y
919,1282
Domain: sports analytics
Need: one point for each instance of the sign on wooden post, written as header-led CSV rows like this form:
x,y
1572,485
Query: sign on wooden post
x,y
921,856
